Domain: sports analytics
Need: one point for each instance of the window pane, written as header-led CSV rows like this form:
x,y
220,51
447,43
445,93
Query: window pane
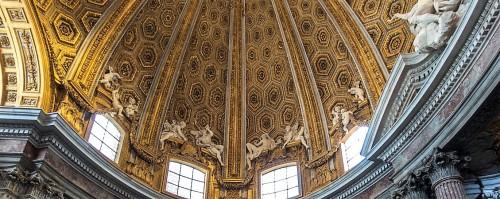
x,y
101,138
184,192
293,192
280,174
175,167
292,182
187,171
101,120
182,175
95,142
98,131
172,188
281,195
110,141
113,131
185,182
268,177
198,186
280,185
173,178
198,175
268,196
196,195
267,188
108,152
291,171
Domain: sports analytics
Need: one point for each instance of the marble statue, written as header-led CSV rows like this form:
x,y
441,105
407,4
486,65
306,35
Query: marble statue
x,y
433,22
266,143
357,91
336,116
117,106
346,119
132,108
204,139
293,134
173,129
111,78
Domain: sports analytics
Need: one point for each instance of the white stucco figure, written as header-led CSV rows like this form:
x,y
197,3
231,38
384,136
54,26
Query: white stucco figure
x,y
346,119
132,108
433,22
294,133
173,129
266,143
204,139
111,78
357,91
117,106
336,116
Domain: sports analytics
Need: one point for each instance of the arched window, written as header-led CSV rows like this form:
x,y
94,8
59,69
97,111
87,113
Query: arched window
x,y
105,137
185,181
280,183
351,147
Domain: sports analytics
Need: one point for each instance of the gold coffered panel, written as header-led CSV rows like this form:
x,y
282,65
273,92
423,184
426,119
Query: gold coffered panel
x,y
390,37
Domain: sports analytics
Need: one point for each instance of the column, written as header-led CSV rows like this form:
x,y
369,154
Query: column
x,y
447,183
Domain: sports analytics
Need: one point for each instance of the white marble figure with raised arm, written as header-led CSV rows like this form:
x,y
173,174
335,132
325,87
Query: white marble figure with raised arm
x,y
266,143
132,108
117,106
293,134
173,129
336,116
204,139
357,91
110,78
433,22
346,119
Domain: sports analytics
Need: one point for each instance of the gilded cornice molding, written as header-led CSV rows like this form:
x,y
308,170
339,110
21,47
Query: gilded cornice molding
x,y
82,77
53,131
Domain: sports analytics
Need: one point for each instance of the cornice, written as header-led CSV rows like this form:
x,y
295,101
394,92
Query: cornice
x,y
53,131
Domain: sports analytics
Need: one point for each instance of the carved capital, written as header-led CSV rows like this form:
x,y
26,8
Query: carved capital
x,y
445,165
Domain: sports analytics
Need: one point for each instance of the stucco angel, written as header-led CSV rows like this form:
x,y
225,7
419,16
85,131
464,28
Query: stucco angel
x,y
294,133
117,106
204,139
132,108
336,116
346,119
432,22
266,143
110,79
357,91
173,129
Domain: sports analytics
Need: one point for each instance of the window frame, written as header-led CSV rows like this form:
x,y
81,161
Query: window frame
x,y
274,168
117,126
206,171
343,146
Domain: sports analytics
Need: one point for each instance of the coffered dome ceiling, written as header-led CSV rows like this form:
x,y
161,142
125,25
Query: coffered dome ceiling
x,y
244,68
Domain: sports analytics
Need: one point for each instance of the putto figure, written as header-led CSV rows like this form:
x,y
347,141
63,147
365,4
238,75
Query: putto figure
x,y
110,79
204,139
357,91
346,119
117,106
172,130
131,109
294,133
266,143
